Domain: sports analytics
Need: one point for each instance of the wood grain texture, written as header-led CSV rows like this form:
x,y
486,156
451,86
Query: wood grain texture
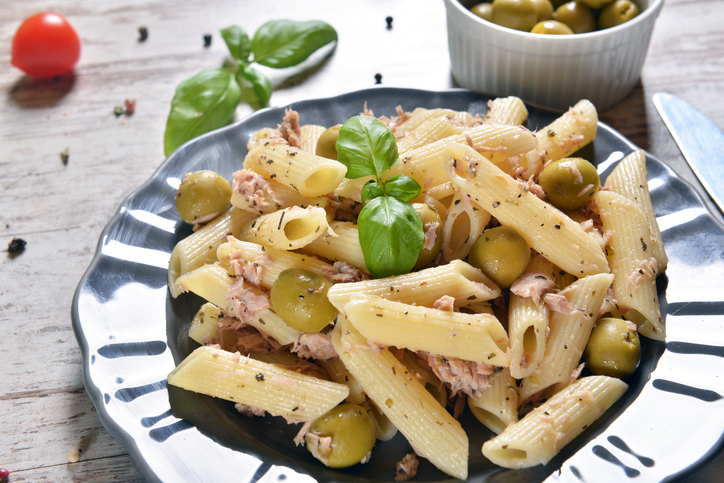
x,y
60,209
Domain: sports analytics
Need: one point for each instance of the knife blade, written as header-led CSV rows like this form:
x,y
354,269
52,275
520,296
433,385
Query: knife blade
x,y
699,139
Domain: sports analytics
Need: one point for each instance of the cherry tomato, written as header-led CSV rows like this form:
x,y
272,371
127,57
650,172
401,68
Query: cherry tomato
x,y
45,45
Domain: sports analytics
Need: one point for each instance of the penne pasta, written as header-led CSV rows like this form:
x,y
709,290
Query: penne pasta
x,y
287,229
547,230
509,111
464,222
429,428
240,379
497,406
343,245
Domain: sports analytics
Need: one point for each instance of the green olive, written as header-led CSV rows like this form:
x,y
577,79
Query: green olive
x,y
577,16
616,13
202,196
569,183
299,297
429,217
352,434
502,254
483,10
595,4
545,9
613,349
515,14
551,27
327,143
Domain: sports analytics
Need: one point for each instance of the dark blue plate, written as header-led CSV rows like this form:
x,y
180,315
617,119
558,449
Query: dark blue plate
x,y
132,334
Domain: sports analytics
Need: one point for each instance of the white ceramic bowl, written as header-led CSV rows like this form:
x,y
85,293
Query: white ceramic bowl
x,y
553,71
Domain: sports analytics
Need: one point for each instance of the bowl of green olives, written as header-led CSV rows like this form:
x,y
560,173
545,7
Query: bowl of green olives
x,y
551,53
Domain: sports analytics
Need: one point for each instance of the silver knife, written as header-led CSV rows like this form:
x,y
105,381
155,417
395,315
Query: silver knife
x,y
700,140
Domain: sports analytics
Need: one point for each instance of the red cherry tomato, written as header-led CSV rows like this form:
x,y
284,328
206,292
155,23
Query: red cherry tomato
x,y
45,45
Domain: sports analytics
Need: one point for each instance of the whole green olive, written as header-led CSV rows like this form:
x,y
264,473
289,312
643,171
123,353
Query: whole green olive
x,y
551,27
202,196
431,226
577,16
351,435
515,14
299,297
502,254
327,143
483,10
545,9
569,183
616,13
613,349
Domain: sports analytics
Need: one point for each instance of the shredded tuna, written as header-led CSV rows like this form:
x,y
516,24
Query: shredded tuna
x,y
314,346
253,187
284,380
376,345
557,303
252,272
299,438
343,272
576,172
319,446
631,326
407,467
533,285
577,372
430,235
462,376
571,142
446,303
290,129
309,368
248,302
532,187
647,270
581,395
471,170
249,411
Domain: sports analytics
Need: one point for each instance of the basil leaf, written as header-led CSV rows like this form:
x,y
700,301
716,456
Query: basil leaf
x,y
285,43
371,190
366,146
402,187
256,89
238,42
391,236
202,103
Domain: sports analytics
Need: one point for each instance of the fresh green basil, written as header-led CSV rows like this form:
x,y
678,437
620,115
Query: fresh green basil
x,y
256,88
391,236
202,103
366,146
372,190
238,42
286,43
402,187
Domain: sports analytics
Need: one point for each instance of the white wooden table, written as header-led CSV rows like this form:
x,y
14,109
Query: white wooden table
x,y
46,417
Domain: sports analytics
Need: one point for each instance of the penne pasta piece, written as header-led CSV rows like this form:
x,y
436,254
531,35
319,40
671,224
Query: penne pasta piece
x,y
307,173
563,137
477,338
252,192
467,284
499,143
547,230
543,432
287,229
205,323
352,188
342,247
421,115
464,222
339,373
569,333
210,282
509,111
629,178
632,262
270,323
528,323
240,379
277,262
429,428
308,137
431,130
262,136
497,406
199,248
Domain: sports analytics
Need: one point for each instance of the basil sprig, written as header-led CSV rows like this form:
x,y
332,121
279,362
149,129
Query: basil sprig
x,y
390,230
208,100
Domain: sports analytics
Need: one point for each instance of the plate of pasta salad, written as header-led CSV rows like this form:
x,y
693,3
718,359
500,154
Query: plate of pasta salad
x,y
397,284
